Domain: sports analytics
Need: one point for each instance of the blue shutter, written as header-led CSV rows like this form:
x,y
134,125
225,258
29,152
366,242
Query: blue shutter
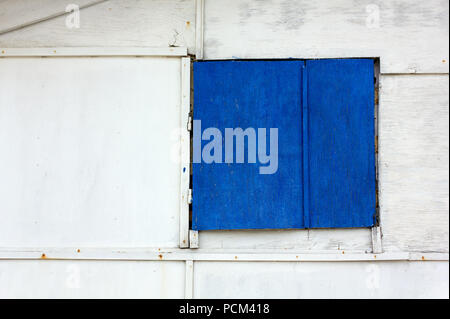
x,y
341,151
257,94
326,158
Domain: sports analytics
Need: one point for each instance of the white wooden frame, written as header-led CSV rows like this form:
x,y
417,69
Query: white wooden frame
x,y
185,151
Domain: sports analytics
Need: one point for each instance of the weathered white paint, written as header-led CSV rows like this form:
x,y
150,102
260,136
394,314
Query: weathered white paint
x,y
321,280
199,22
189,280
178,254
16,14
91,279
413,155
185,150
87,149
93,51
412,36
154,23
335,240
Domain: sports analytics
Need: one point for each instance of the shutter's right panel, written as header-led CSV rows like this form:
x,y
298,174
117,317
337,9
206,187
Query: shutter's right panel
x,y
340,143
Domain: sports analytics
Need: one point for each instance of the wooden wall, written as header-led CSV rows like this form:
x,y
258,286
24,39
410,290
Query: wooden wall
x,y
410,37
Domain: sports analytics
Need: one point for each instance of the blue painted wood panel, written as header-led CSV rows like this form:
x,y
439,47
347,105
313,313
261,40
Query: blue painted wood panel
x,y
250,94
341,151
324,113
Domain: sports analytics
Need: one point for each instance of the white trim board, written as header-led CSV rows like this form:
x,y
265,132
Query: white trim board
x,y
206,255
93,51
185,151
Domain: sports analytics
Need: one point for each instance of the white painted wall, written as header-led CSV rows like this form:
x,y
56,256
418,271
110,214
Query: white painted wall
x,y
321,280
91,279
87,152
411,40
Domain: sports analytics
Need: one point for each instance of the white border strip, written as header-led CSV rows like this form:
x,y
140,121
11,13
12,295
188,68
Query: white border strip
x,y
200,255
185,151
93,51
199,28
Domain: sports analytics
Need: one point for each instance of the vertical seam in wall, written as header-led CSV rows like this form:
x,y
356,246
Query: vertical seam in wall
x,y
305,145
189,279
199,28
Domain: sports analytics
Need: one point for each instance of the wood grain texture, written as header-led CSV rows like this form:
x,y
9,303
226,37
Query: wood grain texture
x,y
330,240
413,162
155,23
410,36
185,153
231,192
341,139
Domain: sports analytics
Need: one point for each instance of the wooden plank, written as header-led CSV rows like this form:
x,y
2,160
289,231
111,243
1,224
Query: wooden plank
x,y
156,23
317,240
177,254
185,148
17,14
410,36
414,162
232,189
92,51
341,143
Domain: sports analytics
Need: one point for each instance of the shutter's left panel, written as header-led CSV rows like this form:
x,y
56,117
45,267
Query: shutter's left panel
x,y
86,152
248,95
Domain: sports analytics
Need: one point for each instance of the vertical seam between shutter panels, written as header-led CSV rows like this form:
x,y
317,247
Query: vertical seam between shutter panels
x,y
305,127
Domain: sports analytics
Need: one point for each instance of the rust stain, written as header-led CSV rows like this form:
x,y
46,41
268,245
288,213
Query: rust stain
x,y
235,257
423,257
375,256
343,252
78,251
43,256
376,144
443,61
3,52
160,256
188,24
